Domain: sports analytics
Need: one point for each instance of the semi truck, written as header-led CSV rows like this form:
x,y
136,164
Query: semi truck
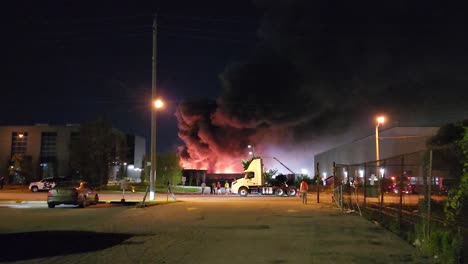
x,y
253,182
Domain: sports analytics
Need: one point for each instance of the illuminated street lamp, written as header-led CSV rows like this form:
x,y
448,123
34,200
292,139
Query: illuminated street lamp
x,y
251,150
380,120
157,104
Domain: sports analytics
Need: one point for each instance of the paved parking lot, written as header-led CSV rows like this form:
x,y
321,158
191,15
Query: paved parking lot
x,y
199,230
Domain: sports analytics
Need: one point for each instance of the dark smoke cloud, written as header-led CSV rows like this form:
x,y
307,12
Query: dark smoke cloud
x,y
323,70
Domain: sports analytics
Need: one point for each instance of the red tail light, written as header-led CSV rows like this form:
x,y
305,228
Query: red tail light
x,y
49,193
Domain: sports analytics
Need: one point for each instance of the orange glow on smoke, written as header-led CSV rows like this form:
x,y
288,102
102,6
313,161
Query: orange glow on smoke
x,y
222,165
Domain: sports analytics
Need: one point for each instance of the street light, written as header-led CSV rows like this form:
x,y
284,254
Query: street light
x,y
380,120
157,104
251,152
153,109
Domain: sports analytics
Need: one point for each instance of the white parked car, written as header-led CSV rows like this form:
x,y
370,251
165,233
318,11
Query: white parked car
x,y
44,184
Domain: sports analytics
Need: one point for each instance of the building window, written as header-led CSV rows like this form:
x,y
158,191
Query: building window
x,y
74,137
48,154
49,144
19,142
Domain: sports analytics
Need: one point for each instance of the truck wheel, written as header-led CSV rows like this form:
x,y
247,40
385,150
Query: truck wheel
x,y
292,192
51,205
243,192
34,189
279,192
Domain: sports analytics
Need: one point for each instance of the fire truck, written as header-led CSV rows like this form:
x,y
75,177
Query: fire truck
x,y
253,182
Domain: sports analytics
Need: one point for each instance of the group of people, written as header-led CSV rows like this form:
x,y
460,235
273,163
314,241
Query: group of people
x,y
215,188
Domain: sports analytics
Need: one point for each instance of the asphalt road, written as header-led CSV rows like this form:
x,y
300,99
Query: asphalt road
x,y
197,229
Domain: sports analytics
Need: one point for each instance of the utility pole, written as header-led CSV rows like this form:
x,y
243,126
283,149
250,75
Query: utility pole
x,y
153,113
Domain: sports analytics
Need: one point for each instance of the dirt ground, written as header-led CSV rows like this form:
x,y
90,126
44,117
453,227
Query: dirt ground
x,y
248,230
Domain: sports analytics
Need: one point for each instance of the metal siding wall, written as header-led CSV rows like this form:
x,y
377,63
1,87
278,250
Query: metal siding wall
x,y
363,150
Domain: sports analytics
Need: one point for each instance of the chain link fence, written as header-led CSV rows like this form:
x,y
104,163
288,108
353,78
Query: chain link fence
x,y
405,194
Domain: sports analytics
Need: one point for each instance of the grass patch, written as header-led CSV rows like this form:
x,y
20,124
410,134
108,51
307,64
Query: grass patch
x,y
141,187
137,187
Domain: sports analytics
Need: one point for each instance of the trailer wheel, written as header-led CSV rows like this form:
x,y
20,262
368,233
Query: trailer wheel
x,y
243,191
292,192
279,192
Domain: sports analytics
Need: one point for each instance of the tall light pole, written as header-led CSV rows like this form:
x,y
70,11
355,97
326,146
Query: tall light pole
x,y
380,120
153,113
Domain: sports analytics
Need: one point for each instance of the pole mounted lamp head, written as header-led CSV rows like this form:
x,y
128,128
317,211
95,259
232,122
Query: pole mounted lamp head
x,y
380,120
158,103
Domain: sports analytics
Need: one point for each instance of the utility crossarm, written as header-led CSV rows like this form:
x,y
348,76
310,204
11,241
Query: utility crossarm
x,y
284,165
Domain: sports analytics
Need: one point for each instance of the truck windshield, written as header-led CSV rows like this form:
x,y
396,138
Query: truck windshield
x,y
248,175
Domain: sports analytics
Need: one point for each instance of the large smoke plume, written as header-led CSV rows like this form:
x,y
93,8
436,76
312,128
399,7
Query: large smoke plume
x,y
321,73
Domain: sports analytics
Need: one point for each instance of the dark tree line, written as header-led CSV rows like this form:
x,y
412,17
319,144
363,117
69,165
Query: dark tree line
x,y
94,150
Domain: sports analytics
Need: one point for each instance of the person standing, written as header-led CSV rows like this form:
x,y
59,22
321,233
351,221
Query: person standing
x,y
304,187
203,185
213,188
218,187
2,181
226,187
169,191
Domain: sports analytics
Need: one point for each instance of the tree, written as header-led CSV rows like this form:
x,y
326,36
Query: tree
x,y
269,174
97,147
168,168
455,136
246,163
452,143
145,173
19,169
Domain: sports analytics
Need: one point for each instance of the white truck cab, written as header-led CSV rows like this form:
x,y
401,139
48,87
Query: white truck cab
x,y
253,182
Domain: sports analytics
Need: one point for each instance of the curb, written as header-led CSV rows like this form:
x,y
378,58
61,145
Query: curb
x,y
8,202
34,202
21,202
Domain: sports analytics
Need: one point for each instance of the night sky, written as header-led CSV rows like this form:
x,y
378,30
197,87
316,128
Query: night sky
x,y
292,78
68,61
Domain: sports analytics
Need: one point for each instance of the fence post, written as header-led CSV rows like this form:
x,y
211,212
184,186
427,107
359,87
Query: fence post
x,y
382,190
334,176
349,188
428,223
400,211
341,196
334,179
365,184
426,191
318,182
